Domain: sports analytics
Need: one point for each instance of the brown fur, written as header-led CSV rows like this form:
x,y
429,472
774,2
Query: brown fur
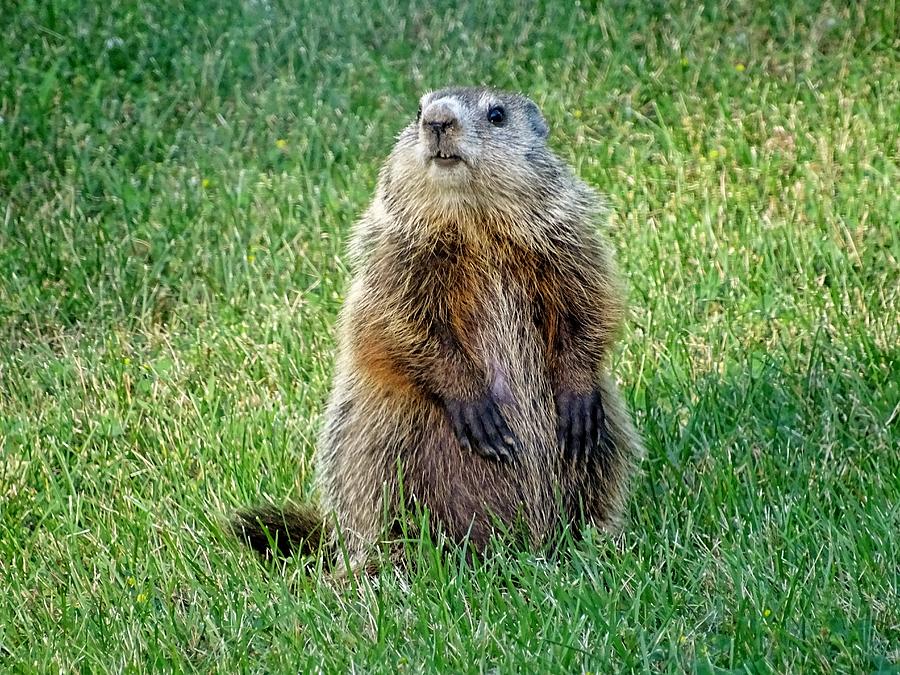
x,y
481,282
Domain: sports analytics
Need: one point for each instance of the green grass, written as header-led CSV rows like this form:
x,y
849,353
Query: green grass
x,y
177,181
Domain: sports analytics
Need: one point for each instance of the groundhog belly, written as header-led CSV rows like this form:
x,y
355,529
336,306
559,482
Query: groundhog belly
x,y
469,495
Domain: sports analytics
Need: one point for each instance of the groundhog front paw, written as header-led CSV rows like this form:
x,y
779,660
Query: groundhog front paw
x,y
479,426
581,426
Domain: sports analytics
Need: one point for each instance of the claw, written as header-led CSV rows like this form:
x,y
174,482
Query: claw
x,y
580,424
479,426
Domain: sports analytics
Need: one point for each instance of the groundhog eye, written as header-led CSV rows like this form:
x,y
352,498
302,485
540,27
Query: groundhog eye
x,y
496,115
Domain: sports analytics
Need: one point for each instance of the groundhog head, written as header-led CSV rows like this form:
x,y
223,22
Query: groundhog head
x,y
473,147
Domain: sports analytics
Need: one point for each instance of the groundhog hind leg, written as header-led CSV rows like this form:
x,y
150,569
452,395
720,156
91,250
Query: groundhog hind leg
x,y
357,469
596,486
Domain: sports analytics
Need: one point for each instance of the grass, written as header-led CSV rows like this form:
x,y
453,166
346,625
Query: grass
x,y
177,181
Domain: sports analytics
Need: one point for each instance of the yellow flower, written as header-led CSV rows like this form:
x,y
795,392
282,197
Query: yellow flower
x,y
251,258
126,361
577,114
141,598
767,612
714,154
740,67
205,182
130,581
684,61
281,144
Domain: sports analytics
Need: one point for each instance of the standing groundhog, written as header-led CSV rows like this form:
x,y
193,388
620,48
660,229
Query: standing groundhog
x,y
473,346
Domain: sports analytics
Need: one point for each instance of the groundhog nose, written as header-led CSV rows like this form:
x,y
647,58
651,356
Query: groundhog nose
x,y
438,127
439,118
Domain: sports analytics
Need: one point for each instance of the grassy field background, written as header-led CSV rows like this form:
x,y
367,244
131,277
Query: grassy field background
x,y
177,181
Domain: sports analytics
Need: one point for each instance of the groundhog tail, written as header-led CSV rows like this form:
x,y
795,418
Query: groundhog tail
x,y
281,531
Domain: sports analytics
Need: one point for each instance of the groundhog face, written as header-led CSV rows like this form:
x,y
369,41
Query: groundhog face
x,y
473,143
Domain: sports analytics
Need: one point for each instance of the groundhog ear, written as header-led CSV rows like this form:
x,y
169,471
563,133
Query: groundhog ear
x,y
538,123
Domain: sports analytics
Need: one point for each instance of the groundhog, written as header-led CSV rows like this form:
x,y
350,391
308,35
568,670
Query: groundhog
x,y
472,373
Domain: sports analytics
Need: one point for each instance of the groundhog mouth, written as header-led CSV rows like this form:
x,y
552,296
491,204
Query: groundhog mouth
x,y
445,160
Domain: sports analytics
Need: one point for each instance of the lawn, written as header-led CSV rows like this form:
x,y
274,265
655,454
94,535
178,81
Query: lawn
x,y
177,182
